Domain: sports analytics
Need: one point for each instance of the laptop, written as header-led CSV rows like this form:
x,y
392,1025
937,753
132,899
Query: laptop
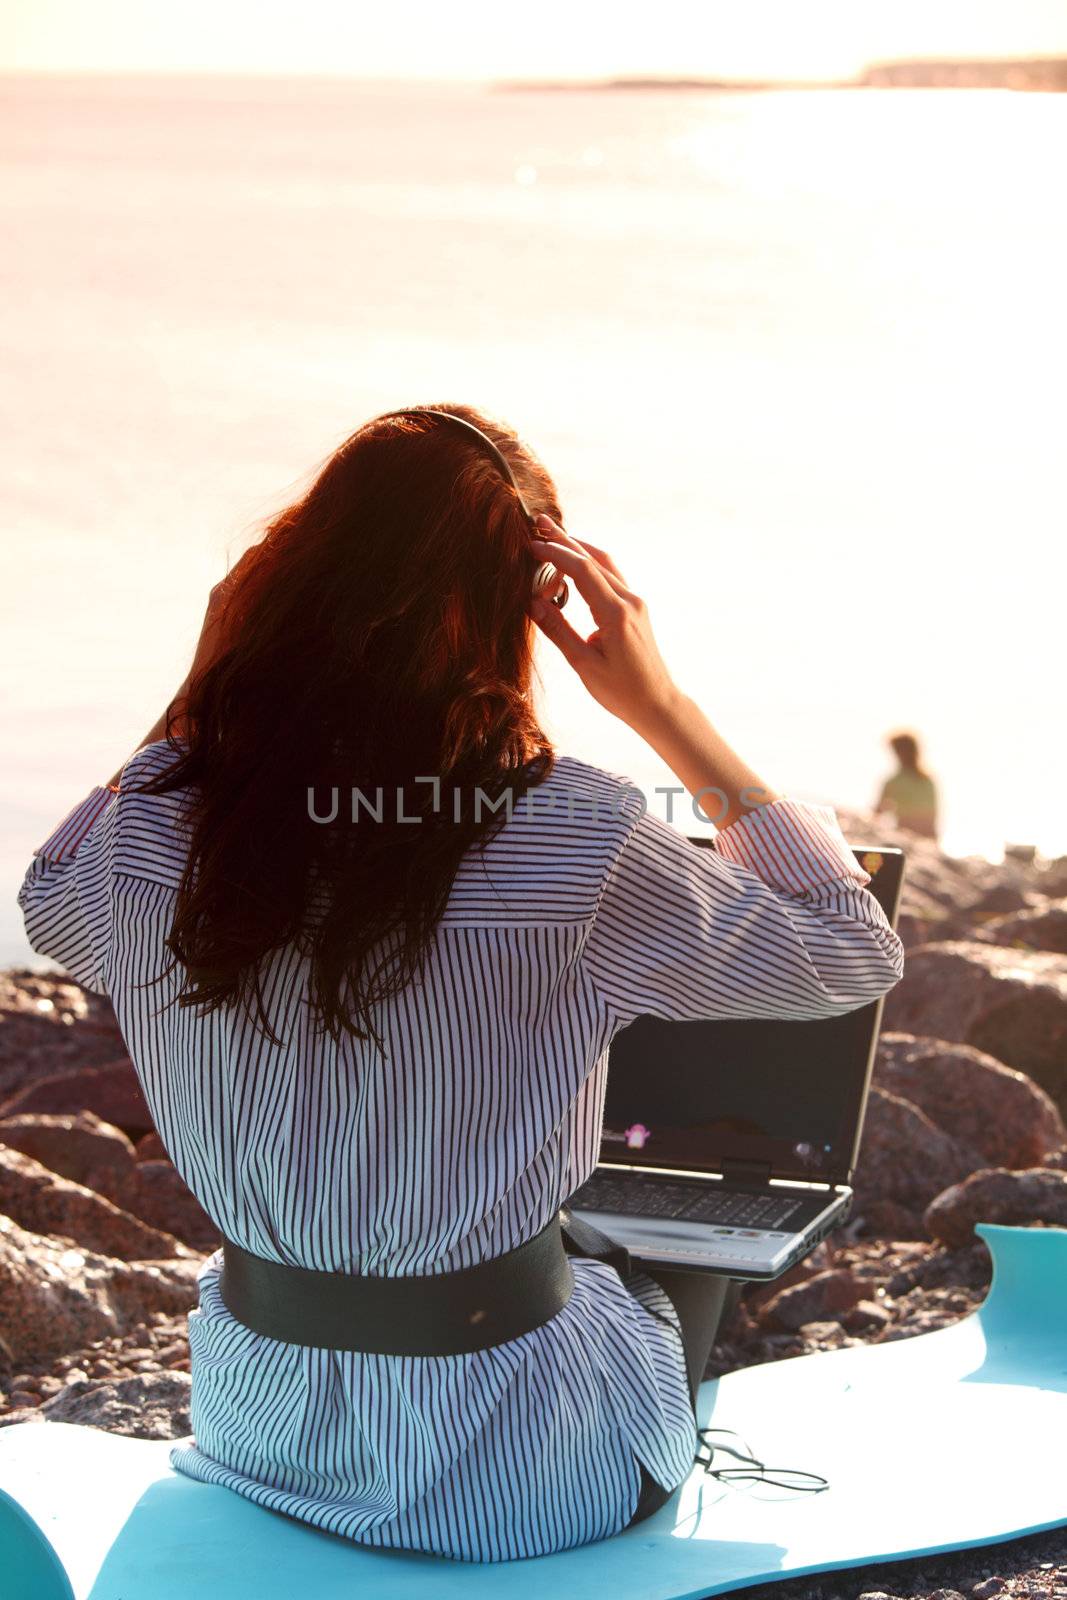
x,y
729,1147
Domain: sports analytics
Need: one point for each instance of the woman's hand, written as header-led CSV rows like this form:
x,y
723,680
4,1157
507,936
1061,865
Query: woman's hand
x,y
622,668
619,663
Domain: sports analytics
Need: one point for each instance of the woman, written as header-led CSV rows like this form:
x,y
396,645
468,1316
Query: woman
x,y
379,1049
910,795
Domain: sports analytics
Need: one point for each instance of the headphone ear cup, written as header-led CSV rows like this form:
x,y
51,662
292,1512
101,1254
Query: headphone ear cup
x,y
546,581
549,584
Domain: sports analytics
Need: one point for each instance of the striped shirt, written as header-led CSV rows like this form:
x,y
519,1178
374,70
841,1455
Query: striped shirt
x,y
481,1119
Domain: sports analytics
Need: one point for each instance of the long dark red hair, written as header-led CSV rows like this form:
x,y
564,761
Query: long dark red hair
x,y
379,634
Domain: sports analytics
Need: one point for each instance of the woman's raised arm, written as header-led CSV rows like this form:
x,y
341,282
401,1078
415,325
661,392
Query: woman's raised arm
x,y
777,920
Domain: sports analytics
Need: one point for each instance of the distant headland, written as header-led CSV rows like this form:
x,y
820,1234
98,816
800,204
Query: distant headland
x,y
1038,73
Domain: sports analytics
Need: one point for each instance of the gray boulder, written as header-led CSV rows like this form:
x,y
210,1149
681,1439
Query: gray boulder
x,y
150,1405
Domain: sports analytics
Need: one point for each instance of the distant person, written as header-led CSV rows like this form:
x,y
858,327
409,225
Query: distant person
x,y
910,794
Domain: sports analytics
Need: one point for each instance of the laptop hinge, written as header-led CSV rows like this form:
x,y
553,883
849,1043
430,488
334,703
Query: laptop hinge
x,y
735,1170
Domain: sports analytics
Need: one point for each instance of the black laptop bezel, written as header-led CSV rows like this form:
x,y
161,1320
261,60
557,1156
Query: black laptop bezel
x,y
854,1110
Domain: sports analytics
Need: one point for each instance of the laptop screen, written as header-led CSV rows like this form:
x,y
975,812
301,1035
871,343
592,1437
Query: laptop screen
x,y
787,1094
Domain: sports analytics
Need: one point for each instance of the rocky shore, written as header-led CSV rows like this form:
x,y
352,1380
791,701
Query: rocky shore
x,y
101,1241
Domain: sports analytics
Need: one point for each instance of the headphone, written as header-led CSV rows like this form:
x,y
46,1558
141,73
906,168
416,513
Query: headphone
x,y
548,582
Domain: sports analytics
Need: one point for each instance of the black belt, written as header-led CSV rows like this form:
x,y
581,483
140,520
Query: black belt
x,y
434,1314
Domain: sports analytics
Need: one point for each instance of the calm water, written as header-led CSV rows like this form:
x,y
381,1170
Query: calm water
x,y
796,358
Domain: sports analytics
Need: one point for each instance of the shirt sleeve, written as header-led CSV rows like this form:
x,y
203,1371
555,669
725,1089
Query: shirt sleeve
x,y
65,896
774,921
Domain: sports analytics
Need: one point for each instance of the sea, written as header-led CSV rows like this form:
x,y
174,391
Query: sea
x,y
795,357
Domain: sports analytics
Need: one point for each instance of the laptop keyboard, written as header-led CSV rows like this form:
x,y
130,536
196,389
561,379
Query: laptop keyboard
x,y
652,1198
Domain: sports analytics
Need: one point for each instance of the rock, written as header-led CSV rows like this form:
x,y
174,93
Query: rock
x,y
1054,1158
866,1316
938,887
150,1405
50,1024
1007,1002
886,1219
112,1092
988,1588
905,1159
991,1109
970,1268
76,1147
1000,899
55,1298
1039,1195
156,1192
873,1261
757,1294
43,1202
150,1147
925,1311
1042,928
140,1287
920,1286
1051,879
1011,1004
820,1298
823,1335
20,1414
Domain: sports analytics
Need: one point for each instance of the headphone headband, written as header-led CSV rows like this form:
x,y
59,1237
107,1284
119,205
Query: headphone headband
x,y
548,582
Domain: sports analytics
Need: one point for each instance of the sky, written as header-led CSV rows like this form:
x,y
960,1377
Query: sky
x,y
481,39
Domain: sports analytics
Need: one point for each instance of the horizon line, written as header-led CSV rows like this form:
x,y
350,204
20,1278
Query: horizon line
x,y
509,81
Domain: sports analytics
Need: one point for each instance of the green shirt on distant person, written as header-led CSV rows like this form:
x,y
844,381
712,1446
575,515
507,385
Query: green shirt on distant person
x,y
912,798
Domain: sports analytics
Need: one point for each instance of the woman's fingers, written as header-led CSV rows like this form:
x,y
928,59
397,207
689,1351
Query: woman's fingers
x,y
594,585
619,663
552,530
604,559
568,640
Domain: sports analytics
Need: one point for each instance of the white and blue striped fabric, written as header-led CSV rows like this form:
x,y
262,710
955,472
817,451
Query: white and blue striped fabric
x,y
484,1116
